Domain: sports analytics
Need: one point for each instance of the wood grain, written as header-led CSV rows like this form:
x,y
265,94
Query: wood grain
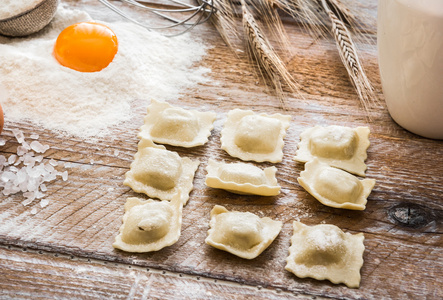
x,y
42,275
85,212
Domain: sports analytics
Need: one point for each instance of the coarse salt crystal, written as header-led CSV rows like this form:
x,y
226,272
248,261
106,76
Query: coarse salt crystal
x,y
21,150
44,203
20,173
7,176
20,137
34,136
38,147
116,152
26,145
19,161
39,195
49,168
53,163
29,161
65,175
33,211
2,160
11,159
2,142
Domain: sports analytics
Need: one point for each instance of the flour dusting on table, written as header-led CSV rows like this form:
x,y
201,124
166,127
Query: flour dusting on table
x,y
147,66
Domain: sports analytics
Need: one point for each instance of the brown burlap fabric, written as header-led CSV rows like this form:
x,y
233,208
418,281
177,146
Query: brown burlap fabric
x,y
30,21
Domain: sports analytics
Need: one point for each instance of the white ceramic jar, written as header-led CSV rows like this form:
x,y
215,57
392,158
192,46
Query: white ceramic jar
x,y
410,49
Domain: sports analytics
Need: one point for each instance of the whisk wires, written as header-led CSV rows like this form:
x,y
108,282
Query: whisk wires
x,y
194,14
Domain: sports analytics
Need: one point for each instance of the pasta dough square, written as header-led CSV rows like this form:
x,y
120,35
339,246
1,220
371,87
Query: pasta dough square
x,y
256,137
242,178
338,146
171,125
334,187
326,252
160,173
241,233
149,225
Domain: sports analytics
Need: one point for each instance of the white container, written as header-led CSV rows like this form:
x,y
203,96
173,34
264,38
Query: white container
x,y
410,50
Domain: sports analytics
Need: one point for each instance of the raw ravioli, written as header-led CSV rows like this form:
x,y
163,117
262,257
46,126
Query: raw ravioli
x,y
338,146
167,124
256,137
149,225
326,252
334,187
242,178
160,173
241,233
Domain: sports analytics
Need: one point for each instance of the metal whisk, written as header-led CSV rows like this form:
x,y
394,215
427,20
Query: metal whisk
x,y
194,14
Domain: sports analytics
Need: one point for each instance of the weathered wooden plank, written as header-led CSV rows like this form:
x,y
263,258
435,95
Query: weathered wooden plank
x,y
32,275
85,212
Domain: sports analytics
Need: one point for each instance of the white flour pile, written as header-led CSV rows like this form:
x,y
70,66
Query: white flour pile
x,y
147,66
10,8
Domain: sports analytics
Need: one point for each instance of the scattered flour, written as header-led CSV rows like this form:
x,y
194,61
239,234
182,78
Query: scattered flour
x,y
147,66
11,8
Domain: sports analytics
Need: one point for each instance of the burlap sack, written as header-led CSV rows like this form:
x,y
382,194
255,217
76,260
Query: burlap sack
x,y
29,21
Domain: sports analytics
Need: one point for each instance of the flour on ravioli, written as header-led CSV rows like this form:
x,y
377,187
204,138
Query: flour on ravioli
x,y
256,137
242,178
339,146
335,187
241,233
167,124
160,173
149,225
326,252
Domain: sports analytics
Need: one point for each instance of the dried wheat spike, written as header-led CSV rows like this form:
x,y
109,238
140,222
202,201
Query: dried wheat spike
x,y
349,57
270,65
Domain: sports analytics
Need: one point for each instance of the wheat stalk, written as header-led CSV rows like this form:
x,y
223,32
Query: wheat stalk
x,y
268,14
270,65
350,59
224,21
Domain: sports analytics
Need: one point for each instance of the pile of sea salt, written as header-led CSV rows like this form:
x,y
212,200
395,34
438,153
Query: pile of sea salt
x,y
26,172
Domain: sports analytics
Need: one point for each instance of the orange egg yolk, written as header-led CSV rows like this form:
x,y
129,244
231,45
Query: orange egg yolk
x,y
86,47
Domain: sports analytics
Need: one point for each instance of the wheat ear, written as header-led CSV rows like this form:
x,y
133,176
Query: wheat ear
x,y
269,16
269,63
349,57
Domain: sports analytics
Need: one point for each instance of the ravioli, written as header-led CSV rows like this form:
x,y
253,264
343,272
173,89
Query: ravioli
x,y
149,225
167,124
334,187
241,178
241,233
338,146
325,252
256,137
160,173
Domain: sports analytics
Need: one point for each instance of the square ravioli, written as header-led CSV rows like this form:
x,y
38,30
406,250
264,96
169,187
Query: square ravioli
x,y
241,178
160,173
335,187
338,146
326,252
167,124
241,233
256,137
149,225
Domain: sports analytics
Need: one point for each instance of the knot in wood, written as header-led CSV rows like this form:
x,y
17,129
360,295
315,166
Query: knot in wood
x,y
410,215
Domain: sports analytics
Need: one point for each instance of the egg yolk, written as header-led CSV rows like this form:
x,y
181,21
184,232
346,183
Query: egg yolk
x,y
86,47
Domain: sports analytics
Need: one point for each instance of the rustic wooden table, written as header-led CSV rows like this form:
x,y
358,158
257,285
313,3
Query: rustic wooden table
x,y
64,251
